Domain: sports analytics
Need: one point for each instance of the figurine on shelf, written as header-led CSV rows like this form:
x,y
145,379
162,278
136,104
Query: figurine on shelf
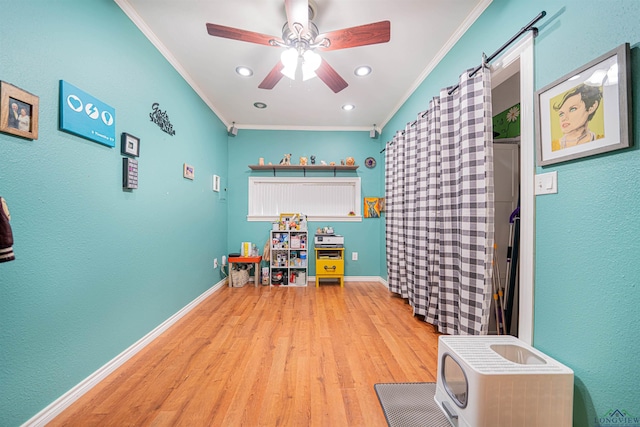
x,y
332,163
261,161
351,161
323,163
303,161
313,160
286,160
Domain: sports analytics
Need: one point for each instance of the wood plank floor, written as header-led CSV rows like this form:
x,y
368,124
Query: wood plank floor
x,y
263,356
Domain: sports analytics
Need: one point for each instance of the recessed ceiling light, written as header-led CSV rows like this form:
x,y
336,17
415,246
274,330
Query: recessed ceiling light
x,y
260,105
244,71
363,70
348,107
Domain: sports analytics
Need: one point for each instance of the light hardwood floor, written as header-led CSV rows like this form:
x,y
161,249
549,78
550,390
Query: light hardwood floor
x,y
263,356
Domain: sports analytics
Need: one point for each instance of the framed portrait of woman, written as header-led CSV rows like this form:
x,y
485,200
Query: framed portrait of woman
x,y
586,112
18,111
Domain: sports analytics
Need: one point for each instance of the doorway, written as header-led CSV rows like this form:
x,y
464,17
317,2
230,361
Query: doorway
x,y
515,67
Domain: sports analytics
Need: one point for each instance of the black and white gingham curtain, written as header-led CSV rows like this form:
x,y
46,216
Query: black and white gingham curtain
x,y
440,209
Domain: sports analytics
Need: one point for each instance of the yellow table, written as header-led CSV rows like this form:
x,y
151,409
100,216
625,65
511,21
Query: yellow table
x,y
330,264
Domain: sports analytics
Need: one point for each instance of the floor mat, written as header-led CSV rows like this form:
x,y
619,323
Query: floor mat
x,y
410,405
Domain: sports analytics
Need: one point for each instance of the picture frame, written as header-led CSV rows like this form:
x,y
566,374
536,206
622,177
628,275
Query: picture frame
x,y
18,111
188,171
129,145
371,207
216,183
587,111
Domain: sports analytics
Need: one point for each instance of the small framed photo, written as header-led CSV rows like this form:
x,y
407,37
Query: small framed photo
x,y
18,111
130,145
188,171
586,112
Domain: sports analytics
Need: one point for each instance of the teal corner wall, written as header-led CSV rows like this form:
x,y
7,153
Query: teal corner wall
x,y
586,280
96,267
249,145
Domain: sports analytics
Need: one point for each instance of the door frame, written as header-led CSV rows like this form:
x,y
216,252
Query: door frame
x,y
522,54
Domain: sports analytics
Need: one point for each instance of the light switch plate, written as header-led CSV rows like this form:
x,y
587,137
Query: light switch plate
x,y
547,183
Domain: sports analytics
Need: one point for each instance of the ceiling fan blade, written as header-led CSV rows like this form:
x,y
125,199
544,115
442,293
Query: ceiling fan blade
x,y
273,77
297,11
363,35
330,77
237,34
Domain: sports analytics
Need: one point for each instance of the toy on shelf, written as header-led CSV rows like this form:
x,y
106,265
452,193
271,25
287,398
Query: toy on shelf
x,y
286,160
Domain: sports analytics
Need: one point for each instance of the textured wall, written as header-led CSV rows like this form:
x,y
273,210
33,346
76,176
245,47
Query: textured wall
x,y
96,267
586,274
245,149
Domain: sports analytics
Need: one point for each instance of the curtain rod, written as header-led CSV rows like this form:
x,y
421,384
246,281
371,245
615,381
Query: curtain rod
x,y
528,27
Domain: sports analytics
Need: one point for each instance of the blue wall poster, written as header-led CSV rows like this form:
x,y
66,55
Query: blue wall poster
x,y
86,116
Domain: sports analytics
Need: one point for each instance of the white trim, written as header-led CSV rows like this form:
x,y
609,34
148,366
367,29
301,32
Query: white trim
x,y
523,51
455,38
63,402
354,218
377,279
267,194
144,28
318,128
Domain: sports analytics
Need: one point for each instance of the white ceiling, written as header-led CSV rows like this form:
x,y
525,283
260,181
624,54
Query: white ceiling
x,y
422,31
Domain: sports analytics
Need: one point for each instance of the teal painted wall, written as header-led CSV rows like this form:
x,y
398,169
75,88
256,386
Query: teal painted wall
x,y
96,267
586,276
249,145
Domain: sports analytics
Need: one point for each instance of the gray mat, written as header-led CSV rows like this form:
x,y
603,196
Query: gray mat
x,y
410,405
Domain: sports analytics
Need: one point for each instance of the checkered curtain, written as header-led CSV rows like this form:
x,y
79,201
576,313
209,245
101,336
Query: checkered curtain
x,y
440,209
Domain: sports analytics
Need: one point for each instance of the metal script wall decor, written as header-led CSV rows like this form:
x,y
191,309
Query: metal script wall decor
x,y
161,118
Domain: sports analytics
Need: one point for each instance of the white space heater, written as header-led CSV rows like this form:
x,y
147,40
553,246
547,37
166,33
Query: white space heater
x,y
499,381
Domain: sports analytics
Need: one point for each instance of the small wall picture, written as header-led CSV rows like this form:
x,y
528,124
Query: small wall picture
x,y
18,111
188,171
129,145
507,123
216,183
371,207
382,204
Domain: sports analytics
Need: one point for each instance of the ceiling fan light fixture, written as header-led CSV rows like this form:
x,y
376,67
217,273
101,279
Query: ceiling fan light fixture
x,y
363,70
307,74
289,59
310,63
311,60
244,71
289,72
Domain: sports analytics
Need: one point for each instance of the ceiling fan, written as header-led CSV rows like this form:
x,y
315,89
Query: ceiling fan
x,y
300,38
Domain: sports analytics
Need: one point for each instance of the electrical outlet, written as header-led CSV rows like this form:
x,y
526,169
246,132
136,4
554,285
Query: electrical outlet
x,y
224,260
354,256
215,263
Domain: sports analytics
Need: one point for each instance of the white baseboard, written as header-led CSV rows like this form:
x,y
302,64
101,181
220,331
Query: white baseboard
x,y
358,279
63,402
